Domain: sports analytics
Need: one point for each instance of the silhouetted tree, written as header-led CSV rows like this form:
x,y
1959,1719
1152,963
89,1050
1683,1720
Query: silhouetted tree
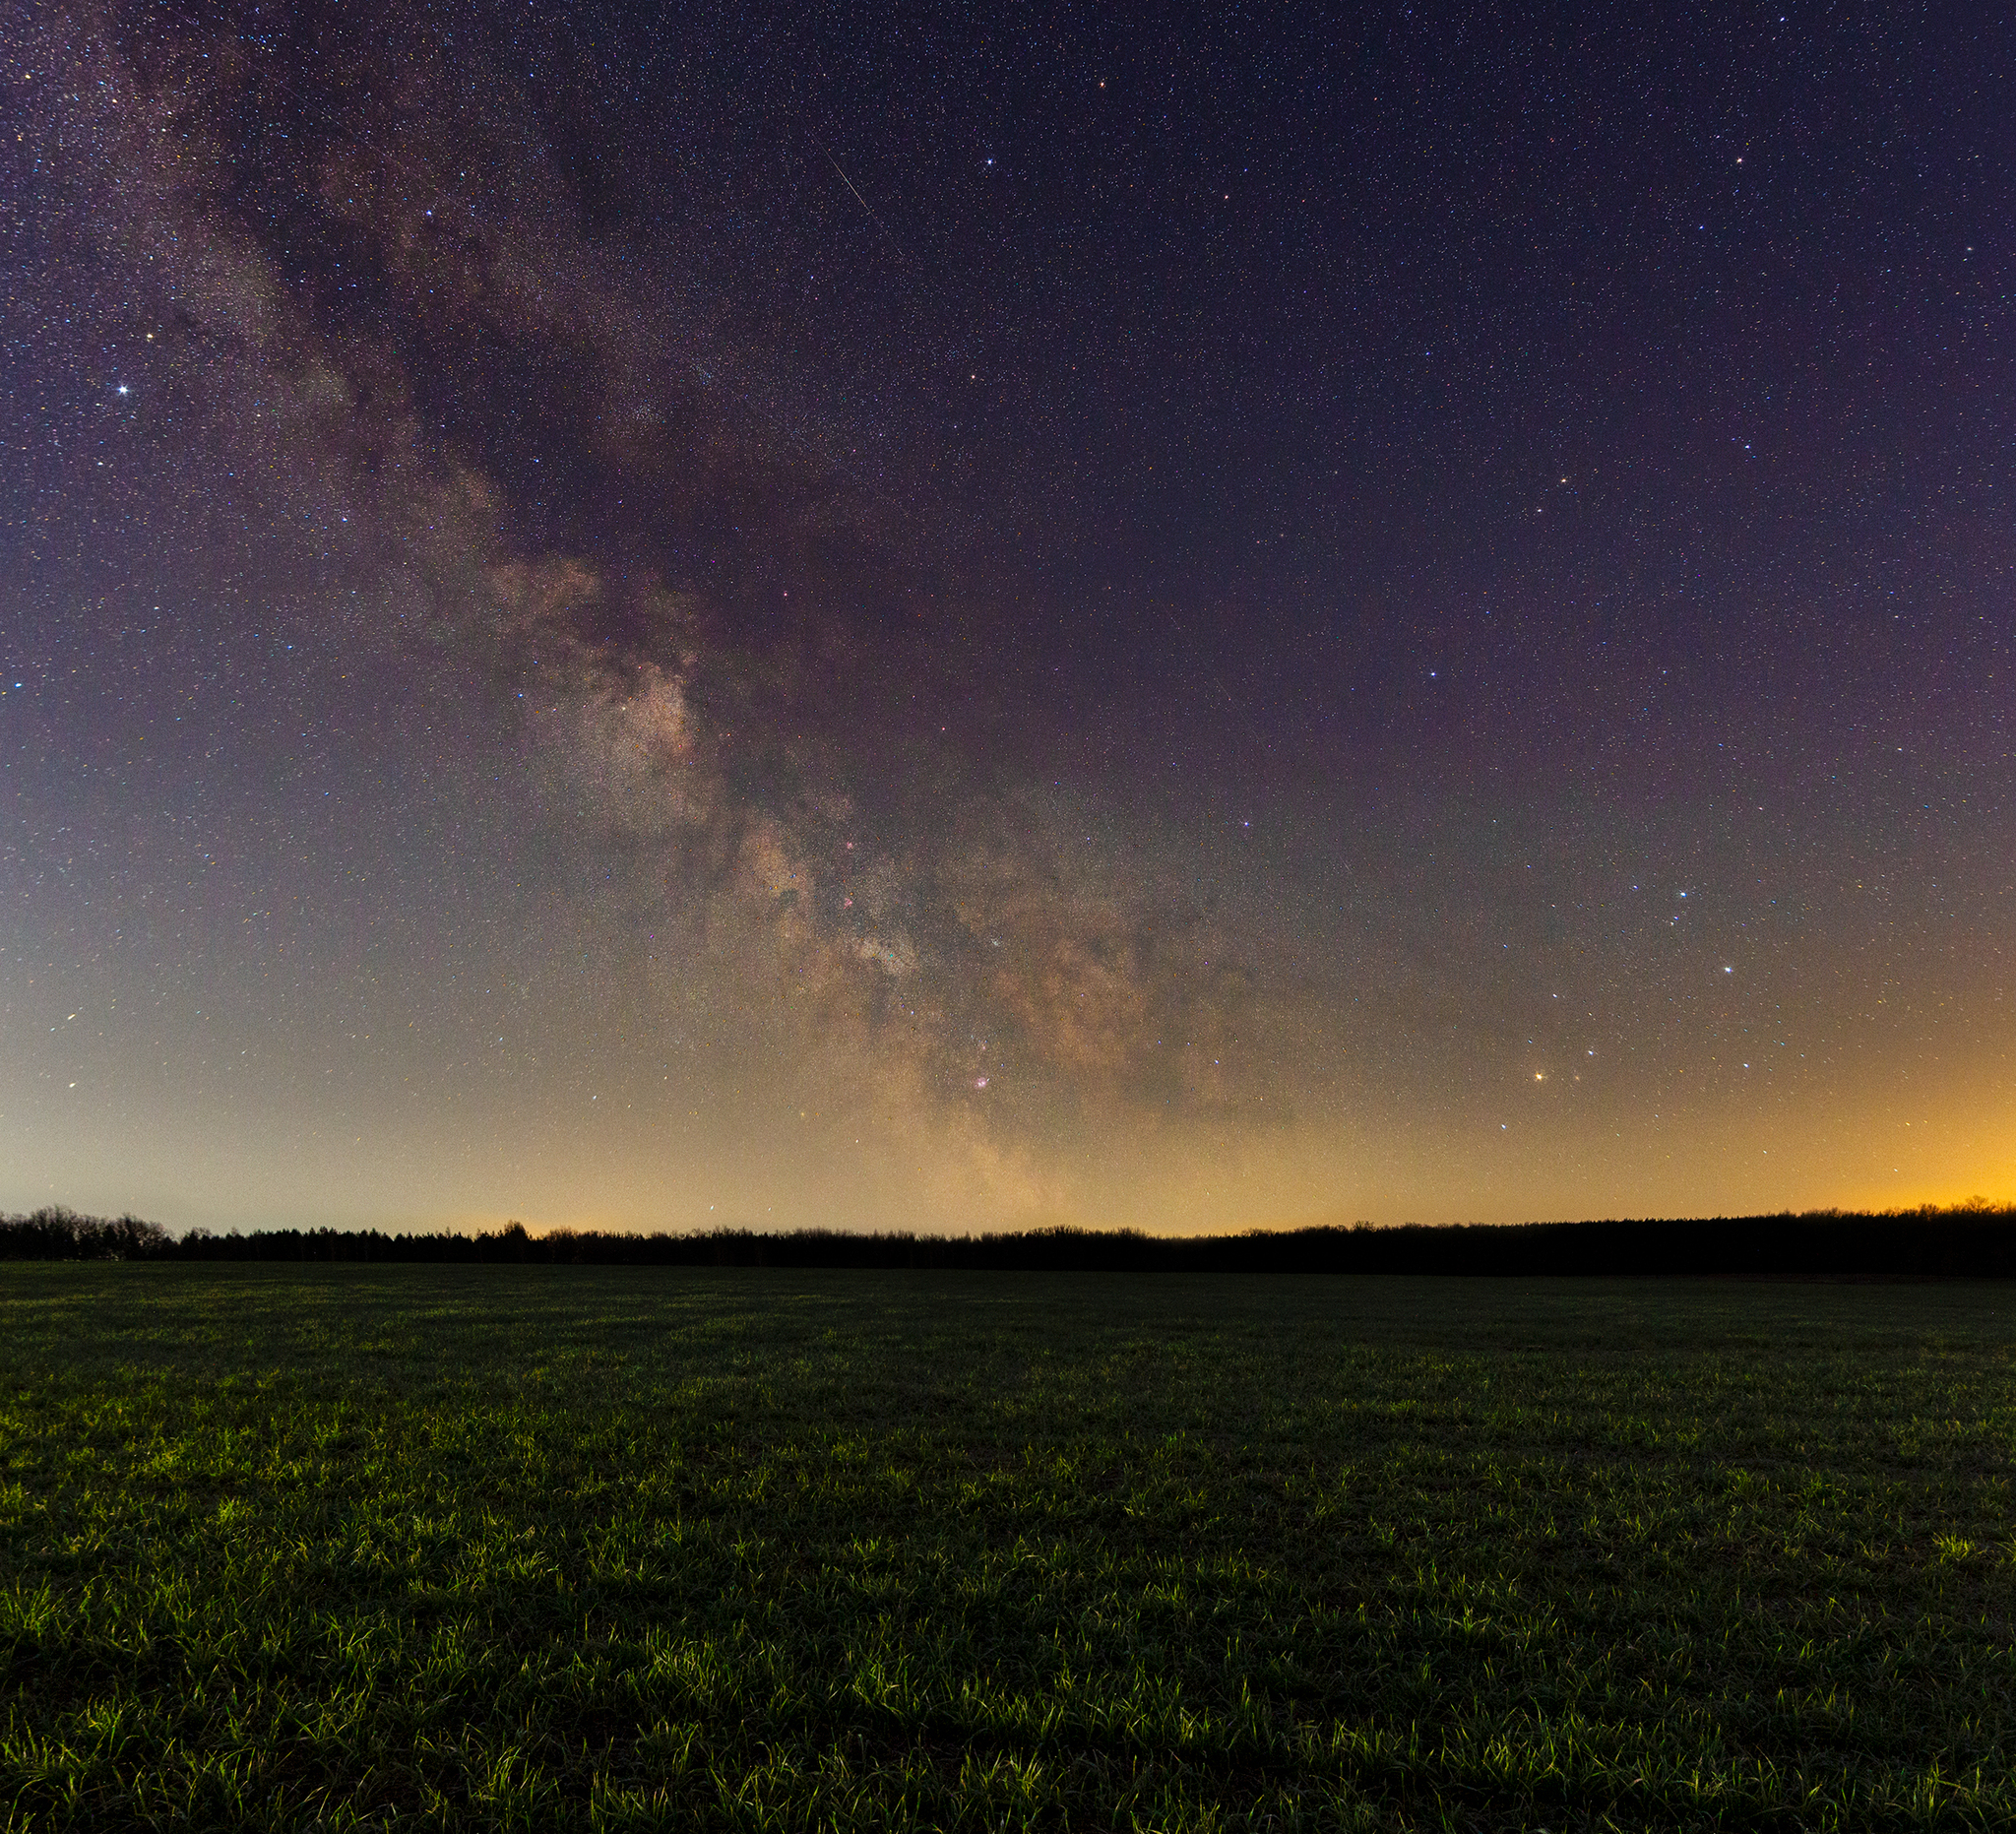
x,y
1973,1239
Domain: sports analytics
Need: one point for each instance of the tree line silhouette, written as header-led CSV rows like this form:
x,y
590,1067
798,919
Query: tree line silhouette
x,y
1971,1241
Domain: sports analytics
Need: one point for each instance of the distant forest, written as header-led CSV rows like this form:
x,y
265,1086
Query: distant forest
x,y
1974,1240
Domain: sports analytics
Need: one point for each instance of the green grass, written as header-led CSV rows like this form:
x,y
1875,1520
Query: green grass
x,y
573,1548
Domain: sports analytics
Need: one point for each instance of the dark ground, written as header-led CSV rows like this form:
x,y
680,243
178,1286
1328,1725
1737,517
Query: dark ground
x,y
497,1547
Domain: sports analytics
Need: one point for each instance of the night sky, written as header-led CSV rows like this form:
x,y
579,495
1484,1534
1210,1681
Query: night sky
x,y
944,617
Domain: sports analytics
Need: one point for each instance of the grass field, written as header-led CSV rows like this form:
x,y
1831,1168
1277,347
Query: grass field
x,y
553,1548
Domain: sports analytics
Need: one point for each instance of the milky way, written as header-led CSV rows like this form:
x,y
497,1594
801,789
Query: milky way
x,y
1253,628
